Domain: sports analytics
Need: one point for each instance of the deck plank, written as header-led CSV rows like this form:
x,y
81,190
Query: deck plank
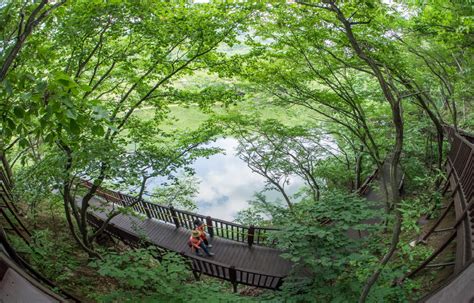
x,y
257,258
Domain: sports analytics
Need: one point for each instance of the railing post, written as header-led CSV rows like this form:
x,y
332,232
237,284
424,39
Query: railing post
x,y
121,200
190,265
279,284
233,277
175,216
250,235
145,207
210,228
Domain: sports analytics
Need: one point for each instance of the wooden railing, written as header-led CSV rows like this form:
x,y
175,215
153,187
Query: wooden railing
x,y
460,167
364,188
197,264
14,223
8,210
234,275
460,184
251,235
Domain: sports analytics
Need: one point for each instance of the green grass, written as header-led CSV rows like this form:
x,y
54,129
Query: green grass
x,y
191,117
179,118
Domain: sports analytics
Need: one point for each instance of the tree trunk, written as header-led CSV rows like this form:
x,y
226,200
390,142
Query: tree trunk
x,y
397,120
7,170
395,197
35,18
358,168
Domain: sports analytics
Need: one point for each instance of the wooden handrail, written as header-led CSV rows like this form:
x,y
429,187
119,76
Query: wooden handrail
x,y
364,187
183,218
200,264
460,167
463,135
460,163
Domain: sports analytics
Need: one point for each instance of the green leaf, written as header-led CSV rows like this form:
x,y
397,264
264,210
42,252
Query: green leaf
x,y
23,143
19,112
98,130
64,80
11,123
8,87
112,128
85,88
49,138
67,101
74,127
71,114
99,112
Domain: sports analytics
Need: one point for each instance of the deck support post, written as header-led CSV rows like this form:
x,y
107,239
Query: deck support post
x,y
233,277
196,275
279,284
210,228
250,235
189,264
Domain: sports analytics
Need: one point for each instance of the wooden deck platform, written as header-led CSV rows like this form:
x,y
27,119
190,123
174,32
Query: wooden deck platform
x,y
259,259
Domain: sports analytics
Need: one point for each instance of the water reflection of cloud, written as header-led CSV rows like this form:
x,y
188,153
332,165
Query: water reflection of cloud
x,y
226,182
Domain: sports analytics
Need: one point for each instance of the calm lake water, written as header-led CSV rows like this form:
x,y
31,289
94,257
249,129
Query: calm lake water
x,y
226,182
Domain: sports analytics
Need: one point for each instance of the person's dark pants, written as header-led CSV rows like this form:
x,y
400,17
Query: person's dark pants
x,y
204,247
205,241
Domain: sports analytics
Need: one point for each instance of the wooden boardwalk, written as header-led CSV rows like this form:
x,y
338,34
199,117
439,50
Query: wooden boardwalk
x,y
242,255
459,190
243,258
372,191
260,260
234,261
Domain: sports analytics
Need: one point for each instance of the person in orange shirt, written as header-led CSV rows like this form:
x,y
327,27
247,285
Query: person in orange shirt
x,y
197,244
200,226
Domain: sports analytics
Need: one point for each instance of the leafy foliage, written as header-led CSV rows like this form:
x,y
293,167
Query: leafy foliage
x,y
371,81
328,262
180,193
146,279
49,257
